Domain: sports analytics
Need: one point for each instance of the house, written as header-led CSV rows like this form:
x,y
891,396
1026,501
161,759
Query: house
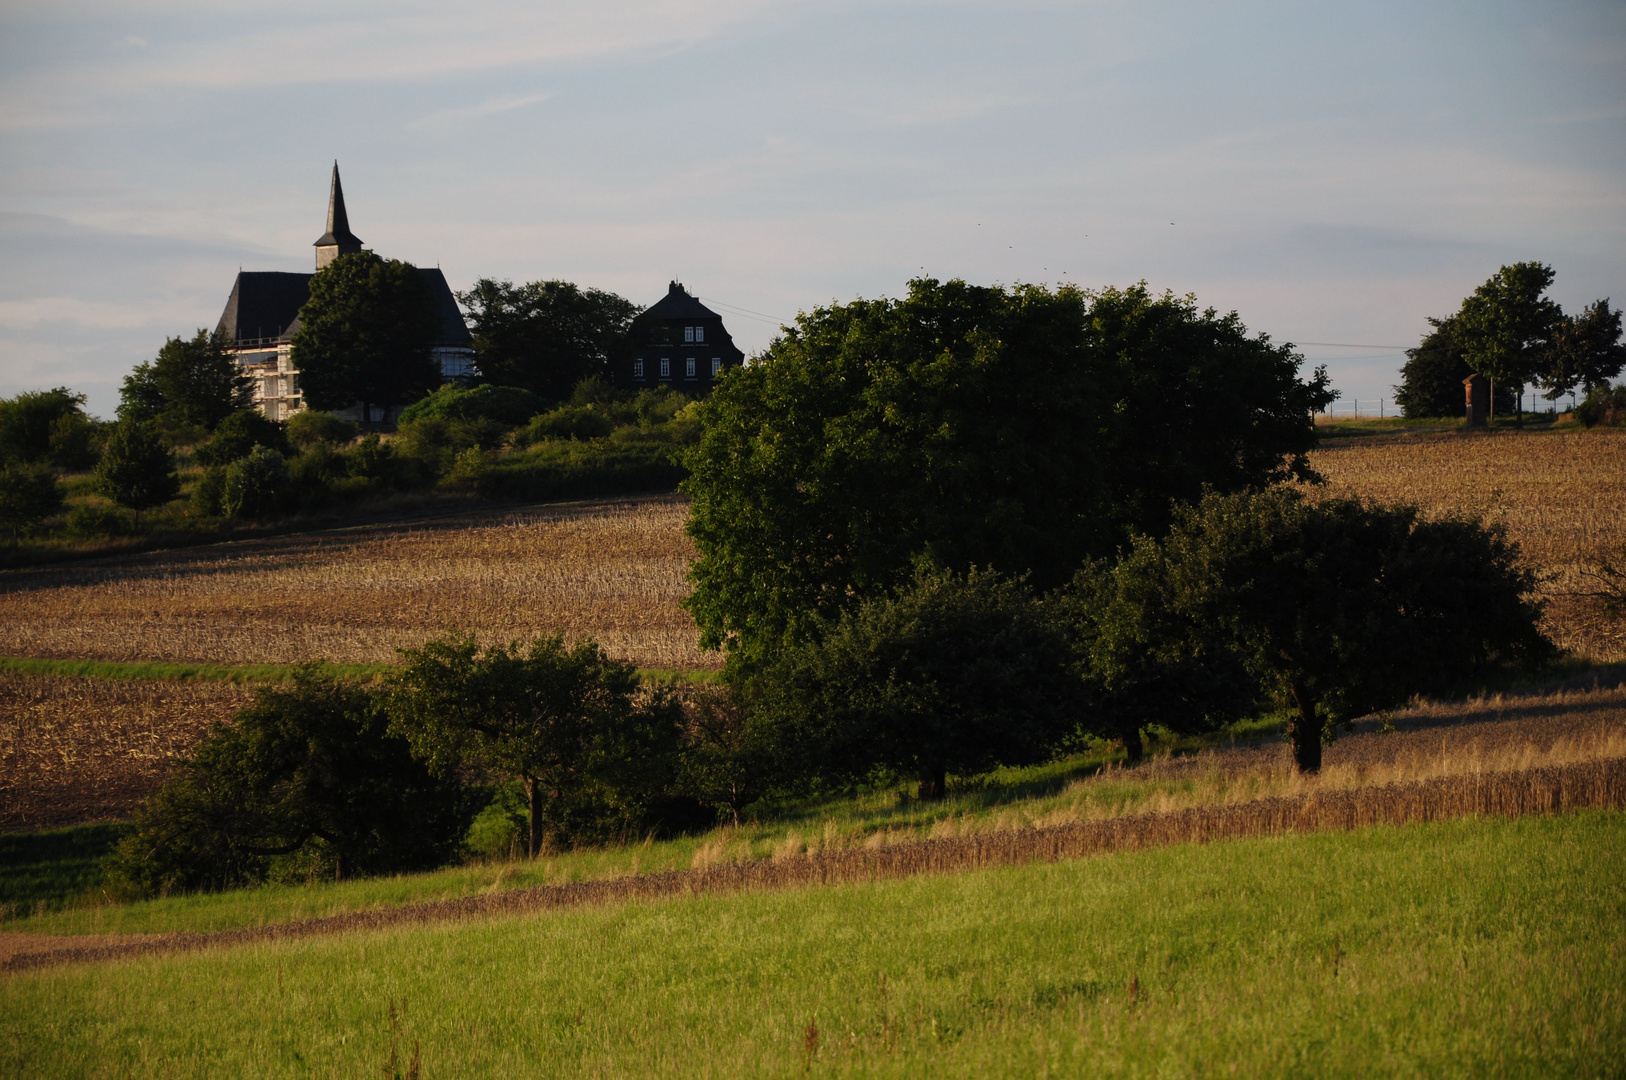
x,y
680,343
262,316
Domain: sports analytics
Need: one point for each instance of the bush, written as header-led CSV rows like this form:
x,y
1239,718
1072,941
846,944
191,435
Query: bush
x,y
257,485
307,779
240,433
1603,405
946,674
47,427
137,470
508,406
28,495
209,492
378,461
98,519
566,422
314,428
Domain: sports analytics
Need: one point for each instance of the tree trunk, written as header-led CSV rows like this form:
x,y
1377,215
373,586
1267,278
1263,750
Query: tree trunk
x,y
534,795
1134,749
933,783
1306,731
1518,406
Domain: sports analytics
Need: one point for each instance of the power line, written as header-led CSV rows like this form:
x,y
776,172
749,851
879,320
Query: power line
x,y
743,311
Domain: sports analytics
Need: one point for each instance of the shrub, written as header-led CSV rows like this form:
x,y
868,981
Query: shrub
x,y
240,433
47,426
508,406
946,674
315,428
209,492
566,422
137,470
1603,405
98,519
28,495
307,778
257,485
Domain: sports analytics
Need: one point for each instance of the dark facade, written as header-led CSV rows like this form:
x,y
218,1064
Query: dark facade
x,y
680,343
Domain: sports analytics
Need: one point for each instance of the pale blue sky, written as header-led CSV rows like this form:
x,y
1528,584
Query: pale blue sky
x,y
1334,172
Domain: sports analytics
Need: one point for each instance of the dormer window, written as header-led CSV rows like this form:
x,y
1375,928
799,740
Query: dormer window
x,y
688,333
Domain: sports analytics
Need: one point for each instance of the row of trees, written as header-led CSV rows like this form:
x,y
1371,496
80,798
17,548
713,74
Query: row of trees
x,y
1513,333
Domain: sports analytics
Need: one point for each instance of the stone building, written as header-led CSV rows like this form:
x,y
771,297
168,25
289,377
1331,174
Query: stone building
x,y
262,316
680,343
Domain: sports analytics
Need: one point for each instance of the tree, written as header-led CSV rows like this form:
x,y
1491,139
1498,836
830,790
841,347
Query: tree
x,y
365,334
947,674
1021,429
137,470
566,722
545,336
256,485
307,775
1431,378
28,495
1586,350
238,435
1507,325
727,760
1343,607
191,385
46,426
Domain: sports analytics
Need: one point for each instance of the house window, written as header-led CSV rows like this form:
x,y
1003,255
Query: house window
x,y
716,365
700,333
666,368
688,333
637,369
688,367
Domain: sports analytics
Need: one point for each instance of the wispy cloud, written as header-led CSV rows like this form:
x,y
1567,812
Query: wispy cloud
x,y
491,107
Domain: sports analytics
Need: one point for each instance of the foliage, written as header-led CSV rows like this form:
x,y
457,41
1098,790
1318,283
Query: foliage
x,y
47,426
545,336
1506,325
946,674
1343,607
509,406
1586,350
568,422
306,778
256,485
137,470
568,722
1605,405
728,759
28,495
1141,663
191,385
240,433
1021,429
312,427
1432,376
365,335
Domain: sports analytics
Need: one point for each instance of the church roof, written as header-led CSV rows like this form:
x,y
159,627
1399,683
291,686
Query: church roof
x,y
338,222
265,305
678,304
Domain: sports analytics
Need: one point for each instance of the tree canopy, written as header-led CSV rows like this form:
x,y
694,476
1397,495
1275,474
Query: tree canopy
x,y
1431,378
365,335
1020,429
192,385
46,427
1342,607
546,336
1586,350
137,470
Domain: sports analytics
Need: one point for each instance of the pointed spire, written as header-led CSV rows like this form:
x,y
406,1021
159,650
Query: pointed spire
x,y
338,240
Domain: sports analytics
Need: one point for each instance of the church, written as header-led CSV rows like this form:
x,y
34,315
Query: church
x,y
262,316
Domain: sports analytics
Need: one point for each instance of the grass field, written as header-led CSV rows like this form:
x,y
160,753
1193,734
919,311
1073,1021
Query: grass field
x,y
1483,947
1431,741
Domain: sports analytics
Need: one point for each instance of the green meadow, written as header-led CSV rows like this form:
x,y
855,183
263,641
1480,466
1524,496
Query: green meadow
x,y
1469,948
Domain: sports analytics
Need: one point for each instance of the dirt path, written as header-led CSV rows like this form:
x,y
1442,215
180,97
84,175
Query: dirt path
x,y
1550,789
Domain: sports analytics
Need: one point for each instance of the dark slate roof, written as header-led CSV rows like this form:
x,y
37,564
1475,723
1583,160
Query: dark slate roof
x,y
266,303
338,222
678,304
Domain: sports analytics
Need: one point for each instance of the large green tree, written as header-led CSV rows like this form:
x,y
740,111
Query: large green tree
x,y
1431,378
566,721
1586,350
546,336
1507,325
192,385
47,426
1342,607
365,335
1021,429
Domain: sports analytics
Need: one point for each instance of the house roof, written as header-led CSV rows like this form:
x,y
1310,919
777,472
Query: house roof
x,y
338,222
265,304
678,304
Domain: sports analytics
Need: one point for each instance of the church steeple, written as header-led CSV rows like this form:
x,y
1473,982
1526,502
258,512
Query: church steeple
x,y
338,240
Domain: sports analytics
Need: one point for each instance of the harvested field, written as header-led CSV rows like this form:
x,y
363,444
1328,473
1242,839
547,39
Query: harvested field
x,y
1561,495
74,750
613,570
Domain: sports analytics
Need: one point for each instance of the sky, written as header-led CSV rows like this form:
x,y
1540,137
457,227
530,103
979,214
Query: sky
x,y
1334,172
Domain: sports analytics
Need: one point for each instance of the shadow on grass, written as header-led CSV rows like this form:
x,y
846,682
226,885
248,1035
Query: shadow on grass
x,y
45,871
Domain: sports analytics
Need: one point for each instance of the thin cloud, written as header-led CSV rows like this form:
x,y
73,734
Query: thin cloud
x,y
491,107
